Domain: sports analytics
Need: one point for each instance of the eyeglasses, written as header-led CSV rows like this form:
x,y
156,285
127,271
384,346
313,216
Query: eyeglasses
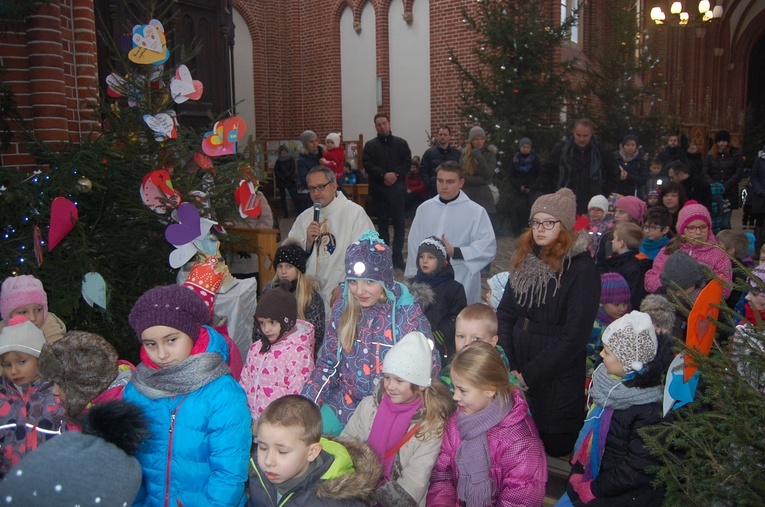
x,y
694,228
547,224
320,188
652,227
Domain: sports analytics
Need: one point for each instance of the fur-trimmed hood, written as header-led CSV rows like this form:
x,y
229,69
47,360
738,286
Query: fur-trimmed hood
x,y
303,151
358,485
422,293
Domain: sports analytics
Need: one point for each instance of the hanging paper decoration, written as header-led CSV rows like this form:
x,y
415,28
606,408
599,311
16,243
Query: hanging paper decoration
x,y
116,86
248,199
203,161
157,189
205,281
38,245
162,124
183,87
701,327
94,289
188,234
224,136
63,216
149,44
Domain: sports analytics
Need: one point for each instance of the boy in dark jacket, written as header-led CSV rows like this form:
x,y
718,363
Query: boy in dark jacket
x,y
295,466
627,259
441,296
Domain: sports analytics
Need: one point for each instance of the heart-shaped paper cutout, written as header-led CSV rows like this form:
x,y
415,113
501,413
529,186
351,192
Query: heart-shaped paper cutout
x,y
203,161
248,200
143,56
182,83
94,289
116,86
224,136
188,227
157,189
63,216
161,123
181,255
198,89
147,37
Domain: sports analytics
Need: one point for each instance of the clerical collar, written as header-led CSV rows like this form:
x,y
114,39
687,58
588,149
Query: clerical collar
x,y
450,200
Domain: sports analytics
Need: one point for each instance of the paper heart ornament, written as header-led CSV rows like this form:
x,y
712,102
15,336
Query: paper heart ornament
x,y
248,199
701,329
203,161
158,193
182,255
94,289
183,87
222,139
188,227
63,216
162,124
149,44
117,86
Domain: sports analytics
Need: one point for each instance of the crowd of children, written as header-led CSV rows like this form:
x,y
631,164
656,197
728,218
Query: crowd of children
x,y
405,395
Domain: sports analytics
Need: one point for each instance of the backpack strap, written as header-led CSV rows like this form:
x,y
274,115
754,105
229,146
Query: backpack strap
x,y
407,437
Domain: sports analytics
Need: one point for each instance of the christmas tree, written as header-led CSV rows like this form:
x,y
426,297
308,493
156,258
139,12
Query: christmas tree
x,y
513,85
620,77
103,206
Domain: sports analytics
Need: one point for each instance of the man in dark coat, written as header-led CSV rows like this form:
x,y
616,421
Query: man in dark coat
x,y
695,187
673,152
437,154
387,159
582,165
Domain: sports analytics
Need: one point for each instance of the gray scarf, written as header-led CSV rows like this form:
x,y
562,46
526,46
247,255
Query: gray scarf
x,y
608,391
196,371
531,279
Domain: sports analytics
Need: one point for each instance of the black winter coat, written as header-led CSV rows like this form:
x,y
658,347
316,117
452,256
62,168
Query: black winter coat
x,y
284,171
382,155
633,271
546,343
431,159
623,480
726,167
698,189
637,174
757,178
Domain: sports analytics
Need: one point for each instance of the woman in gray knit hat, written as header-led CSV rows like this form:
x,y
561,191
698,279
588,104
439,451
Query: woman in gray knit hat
x,y
478,162
546,315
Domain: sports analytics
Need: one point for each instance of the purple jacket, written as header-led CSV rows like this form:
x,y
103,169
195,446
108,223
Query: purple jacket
x,y
518,462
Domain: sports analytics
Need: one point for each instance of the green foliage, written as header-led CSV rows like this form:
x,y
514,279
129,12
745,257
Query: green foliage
x,y
620,77
712,453
516,89
116,234
17,10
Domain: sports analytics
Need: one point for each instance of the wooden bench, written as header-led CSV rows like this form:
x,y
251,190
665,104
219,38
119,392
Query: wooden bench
x,y
262,242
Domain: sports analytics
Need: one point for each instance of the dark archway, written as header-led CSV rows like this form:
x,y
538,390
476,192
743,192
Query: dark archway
x,y
754,137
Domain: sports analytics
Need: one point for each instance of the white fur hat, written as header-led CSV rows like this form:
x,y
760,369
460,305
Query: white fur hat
x,y
335,138
411,359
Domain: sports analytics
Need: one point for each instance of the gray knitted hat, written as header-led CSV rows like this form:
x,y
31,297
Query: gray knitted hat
x,y
306,136
681,270
561,205
476,132
661,311
524,142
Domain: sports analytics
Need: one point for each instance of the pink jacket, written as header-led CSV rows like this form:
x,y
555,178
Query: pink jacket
x,y
282,370
518,461
712,256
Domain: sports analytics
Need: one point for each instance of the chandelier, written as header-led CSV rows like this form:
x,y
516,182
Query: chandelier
x,y
705,10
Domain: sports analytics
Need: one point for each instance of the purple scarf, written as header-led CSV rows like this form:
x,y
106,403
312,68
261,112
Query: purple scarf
x,y
475,486
389,427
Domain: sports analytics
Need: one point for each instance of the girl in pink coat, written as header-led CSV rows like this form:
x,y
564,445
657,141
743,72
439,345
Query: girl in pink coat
x,y
695,237
491,454
281,359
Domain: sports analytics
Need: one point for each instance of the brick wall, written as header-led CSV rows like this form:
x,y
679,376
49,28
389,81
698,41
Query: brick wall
x,y
50,63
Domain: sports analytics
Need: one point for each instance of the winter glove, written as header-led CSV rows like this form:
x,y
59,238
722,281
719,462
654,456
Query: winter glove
x,y
582,488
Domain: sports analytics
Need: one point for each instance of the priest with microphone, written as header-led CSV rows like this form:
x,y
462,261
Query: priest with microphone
x,y
327,229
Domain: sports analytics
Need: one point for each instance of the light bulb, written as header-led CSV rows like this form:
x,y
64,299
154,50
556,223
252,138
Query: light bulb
x,y
676,8
717,12
704,6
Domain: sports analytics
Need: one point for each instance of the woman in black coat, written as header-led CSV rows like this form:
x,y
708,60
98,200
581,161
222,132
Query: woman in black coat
x,y
724,164
633,167
546,316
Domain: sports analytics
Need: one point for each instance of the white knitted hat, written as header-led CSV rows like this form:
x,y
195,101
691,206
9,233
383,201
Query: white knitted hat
x,y
632,339
20,335
335,138
411,359
598,201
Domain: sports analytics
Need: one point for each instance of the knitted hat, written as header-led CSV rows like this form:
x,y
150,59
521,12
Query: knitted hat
x,y
614,289
497,284
661,312
599,202
335,138
20,335
757,280
172,306
722,135
630,137
280,305
654,192
681,270
411,359
19,291
94,467
476,132
690,212
561,205
634,207
433,245
306,136
370,259
524,142
292,253
632,339
83,364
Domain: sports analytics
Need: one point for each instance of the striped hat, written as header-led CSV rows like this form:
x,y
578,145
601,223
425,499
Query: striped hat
x,y
614,289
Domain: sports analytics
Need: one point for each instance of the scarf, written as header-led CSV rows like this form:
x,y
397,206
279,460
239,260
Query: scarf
x,y
604,318
750,316
389,427
628,158
651,247
524,163
432,280
530,281
475,487
188,376
566,169
285,156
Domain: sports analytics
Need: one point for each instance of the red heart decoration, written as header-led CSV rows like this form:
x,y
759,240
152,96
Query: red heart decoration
x,y
63,216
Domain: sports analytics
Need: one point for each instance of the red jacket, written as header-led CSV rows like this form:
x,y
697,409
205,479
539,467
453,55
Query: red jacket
x,y
335,158
416,185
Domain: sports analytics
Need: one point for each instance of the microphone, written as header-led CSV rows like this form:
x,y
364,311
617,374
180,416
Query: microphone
x,y
316,210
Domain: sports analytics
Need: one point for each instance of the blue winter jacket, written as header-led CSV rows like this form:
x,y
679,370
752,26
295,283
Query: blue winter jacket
x,y
204,453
